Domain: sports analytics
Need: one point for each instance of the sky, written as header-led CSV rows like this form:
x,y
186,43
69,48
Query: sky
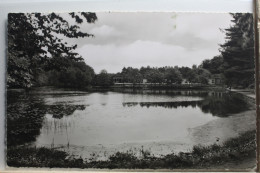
x,y
157,39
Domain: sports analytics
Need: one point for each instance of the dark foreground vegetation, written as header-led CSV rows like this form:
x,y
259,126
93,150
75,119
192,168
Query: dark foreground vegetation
x,y
232,151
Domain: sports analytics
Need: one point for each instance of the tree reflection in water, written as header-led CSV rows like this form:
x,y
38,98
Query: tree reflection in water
x,y
26,110
217,103
25,115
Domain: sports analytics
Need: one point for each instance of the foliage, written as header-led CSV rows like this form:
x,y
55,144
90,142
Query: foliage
x,y
214,65
185,72
167,74
203,75
38,55
35,41
153,75
232,151
173,75
102,79
198,75
132,75
238,51
36,157
75,75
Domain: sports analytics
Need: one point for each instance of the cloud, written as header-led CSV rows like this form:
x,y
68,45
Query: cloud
x,y
105,31
140,53
155,39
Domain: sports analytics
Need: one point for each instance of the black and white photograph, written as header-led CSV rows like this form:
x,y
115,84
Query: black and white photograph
x,y
131,91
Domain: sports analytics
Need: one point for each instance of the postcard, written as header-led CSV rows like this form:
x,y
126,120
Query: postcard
x,y
131,91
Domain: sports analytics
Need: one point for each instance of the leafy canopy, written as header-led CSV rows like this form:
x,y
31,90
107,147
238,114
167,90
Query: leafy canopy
x,y
238,51
35,43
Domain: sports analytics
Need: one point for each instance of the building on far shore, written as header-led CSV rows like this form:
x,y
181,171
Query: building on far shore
x,y
216,79
118,79
145,80
185,82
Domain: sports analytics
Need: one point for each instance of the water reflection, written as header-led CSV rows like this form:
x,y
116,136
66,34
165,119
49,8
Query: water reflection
x,y
49,117
58,111
201,93
163,104
218,104
25,114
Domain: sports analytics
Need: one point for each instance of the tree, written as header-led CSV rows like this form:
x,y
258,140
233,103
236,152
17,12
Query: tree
x,y
76,75
192,76
156,76
214,65
194,66
35,44
203,76
103,79
238,51
132,75
173,75
185,72
198,75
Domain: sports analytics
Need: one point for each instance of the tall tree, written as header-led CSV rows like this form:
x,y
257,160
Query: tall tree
x,y
238,51
35,43
214,65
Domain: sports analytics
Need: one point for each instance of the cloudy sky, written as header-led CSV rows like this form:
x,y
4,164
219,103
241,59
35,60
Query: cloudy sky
x,y
154,39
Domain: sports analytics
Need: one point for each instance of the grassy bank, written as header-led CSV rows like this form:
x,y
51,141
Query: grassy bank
x,y
232,151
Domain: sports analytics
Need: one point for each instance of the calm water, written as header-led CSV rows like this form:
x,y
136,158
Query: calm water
x,y
98,124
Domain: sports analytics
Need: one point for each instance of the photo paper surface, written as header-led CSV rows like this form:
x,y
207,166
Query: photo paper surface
x,y
125,90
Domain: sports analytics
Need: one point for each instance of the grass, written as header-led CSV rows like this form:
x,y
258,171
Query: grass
x,y
234,150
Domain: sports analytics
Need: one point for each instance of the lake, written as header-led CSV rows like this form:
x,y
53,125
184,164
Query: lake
x,y
94,125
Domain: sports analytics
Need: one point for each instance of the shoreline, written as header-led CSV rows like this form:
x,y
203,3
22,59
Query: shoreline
x,y
220,130
235,154
245,135
223,129
144,87
214,132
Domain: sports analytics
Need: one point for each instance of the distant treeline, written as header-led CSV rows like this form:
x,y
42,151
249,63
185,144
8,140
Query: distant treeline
x,y
29,65
80,75
165,74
